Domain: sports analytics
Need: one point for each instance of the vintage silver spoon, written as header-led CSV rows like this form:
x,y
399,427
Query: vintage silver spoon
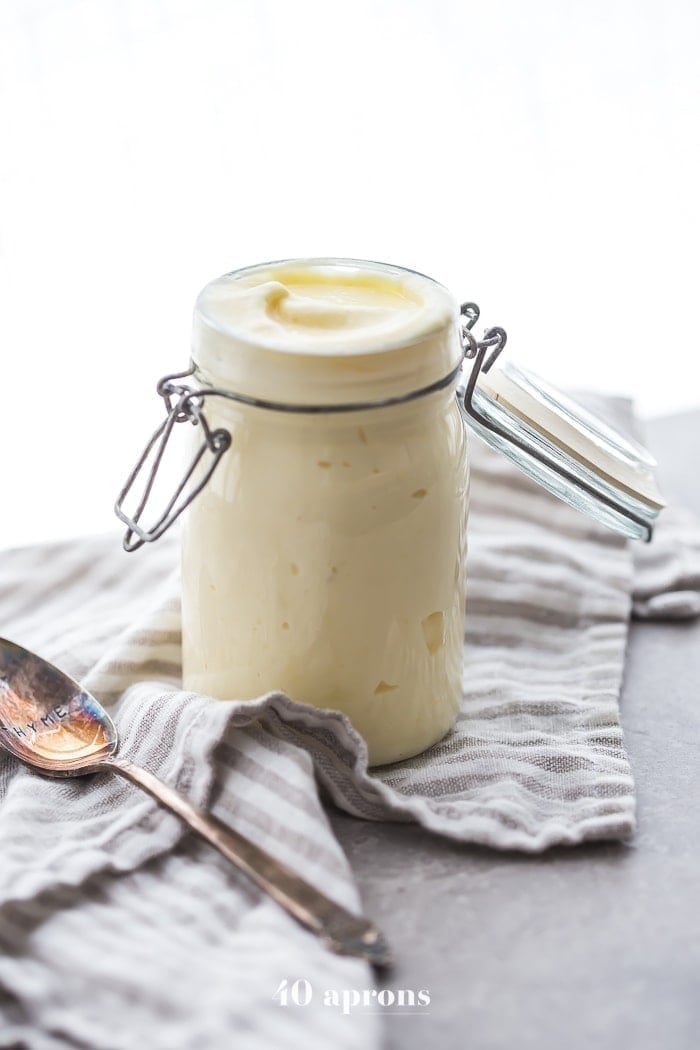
x,y
51,724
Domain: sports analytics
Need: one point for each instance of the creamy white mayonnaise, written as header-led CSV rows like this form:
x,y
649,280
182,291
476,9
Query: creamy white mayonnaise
x,y
325,557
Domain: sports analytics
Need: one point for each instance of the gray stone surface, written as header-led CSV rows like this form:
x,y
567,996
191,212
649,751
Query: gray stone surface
x,y
595,947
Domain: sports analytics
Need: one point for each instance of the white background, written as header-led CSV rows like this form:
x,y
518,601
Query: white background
x,y
539,157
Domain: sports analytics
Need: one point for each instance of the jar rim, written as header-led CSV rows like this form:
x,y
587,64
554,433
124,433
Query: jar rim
x,y
340,263
421,347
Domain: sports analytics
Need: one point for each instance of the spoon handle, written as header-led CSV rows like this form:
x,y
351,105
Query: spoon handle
x,y
339,929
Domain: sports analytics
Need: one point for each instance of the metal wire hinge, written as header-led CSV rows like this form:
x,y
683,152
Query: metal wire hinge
x,y
183,404
494,339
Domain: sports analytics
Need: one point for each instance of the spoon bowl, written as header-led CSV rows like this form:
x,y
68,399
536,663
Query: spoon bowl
x,y
47,720
57,728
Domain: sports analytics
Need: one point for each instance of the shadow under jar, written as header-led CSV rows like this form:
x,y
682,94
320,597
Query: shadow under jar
x,y
325,556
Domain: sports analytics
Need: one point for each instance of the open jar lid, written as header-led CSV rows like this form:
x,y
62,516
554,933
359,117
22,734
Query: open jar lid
x,y
558,442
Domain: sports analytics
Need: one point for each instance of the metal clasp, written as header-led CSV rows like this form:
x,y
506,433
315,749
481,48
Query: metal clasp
x,y
183,404
494,339
529,449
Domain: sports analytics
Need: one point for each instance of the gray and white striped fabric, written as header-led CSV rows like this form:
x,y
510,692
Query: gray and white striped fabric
x,y
119,930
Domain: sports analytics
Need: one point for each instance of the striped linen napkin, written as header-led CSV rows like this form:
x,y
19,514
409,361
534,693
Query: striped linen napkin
x,y
118,929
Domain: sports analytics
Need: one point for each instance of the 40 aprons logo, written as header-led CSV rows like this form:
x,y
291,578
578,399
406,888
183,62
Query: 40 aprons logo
x,y
380,1000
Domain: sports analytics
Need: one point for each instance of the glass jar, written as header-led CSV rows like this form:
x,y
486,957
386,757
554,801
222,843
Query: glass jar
x,y
324,540
325,558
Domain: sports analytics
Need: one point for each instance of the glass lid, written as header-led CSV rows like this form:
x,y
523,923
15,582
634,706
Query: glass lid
x,y
586,422
558,442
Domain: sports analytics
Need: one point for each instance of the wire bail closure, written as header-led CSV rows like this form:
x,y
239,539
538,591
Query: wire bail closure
x,y
527,448
186,404
183,404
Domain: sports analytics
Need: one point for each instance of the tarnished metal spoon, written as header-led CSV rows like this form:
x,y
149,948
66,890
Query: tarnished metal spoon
x,y
51,724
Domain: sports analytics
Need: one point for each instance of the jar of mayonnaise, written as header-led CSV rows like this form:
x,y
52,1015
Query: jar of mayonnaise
x,y
324,540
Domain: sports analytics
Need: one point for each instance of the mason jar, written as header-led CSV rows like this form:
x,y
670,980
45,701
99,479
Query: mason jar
x,y
324,533
325,558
